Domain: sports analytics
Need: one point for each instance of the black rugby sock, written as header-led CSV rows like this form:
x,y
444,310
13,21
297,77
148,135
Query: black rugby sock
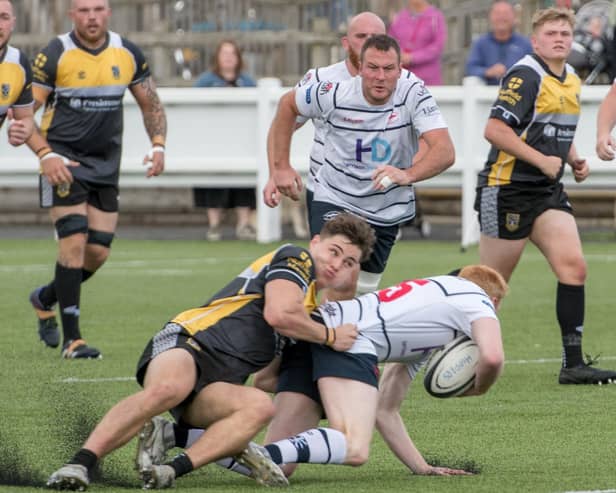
x,y
181,465
68,289
570,314
48,297
85,458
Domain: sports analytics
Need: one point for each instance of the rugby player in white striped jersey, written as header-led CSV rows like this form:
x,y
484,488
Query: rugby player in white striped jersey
x,y
372,127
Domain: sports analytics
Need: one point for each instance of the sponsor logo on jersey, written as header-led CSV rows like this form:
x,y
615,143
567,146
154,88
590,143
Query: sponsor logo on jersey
x,y
308,97
6,90
549,130
509,96
353,120
379,149
307,78
512,221
325,88
115,71
75,103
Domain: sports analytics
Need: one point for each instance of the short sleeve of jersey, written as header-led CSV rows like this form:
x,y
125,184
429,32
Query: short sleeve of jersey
x,y
45,64
422,105
25,98
143,69
516,96
309,77
315,100
294,264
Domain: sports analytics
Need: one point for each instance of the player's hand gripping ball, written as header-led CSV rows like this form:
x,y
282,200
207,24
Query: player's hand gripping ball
x,y
451,369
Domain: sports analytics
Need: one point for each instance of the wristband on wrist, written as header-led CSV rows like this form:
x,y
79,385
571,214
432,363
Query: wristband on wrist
x,y
158,140
51,154
330,336
43,151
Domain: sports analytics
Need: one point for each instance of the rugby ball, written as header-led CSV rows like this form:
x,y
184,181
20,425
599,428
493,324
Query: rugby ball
x,y
451,369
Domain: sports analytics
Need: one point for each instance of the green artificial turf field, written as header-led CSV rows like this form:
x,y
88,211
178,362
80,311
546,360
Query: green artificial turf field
x,y
528,434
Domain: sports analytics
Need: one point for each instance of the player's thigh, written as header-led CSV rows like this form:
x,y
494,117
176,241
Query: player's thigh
x,y
556,235
100,220
219,400
171,376
500,254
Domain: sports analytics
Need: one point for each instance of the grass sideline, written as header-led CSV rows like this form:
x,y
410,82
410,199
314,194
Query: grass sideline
x,y
526,434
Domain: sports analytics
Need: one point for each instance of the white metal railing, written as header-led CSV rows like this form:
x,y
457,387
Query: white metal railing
x,y
217,137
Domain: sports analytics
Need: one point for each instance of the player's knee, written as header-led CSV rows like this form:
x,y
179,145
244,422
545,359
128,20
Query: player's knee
x,y
257,409
163,394
367,282
102,238
70,225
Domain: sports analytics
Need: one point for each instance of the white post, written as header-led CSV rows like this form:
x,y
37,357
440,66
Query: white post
x,y
268,220
472,135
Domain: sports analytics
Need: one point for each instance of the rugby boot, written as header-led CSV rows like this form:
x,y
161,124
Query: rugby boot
x,y
153,441
585,374
78,349
47,325
72,477
158,477
262,469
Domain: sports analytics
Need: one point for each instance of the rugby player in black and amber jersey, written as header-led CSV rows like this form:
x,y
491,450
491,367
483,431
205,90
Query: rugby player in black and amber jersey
x,y
80,77
520,195
197,364
15,81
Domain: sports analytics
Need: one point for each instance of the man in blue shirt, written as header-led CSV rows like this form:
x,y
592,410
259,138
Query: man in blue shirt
x,y
493,53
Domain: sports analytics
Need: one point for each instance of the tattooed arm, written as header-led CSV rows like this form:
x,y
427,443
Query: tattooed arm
x,y
155,123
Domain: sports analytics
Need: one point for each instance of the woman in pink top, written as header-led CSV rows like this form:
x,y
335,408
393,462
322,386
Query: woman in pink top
x,y
421,32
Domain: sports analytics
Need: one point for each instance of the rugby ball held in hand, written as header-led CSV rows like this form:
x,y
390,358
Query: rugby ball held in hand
x,y
451,369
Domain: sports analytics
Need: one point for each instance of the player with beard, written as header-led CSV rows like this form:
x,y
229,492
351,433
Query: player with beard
x,y
81,78
15,82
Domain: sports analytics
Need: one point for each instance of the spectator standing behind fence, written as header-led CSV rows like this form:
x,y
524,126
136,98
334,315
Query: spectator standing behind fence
x,y
226,71
421,32
493,53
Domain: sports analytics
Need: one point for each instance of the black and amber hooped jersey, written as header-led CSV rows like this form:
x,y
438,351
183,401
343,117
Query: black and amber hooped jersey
x,y
232,320
543,109
82,90
15,81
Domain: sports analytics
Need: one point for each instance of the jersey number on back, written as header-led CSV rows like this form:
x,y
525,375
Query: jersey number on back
x,y
401,289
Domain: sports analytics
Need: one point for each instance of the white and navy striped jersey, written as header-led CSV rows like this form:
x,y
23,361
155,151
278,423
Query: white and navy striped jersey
x,y
360,136
406,322
336,72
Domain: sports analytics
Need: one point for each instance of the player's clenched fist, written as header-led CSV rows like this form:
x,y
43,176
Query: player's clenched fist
x,y
345,336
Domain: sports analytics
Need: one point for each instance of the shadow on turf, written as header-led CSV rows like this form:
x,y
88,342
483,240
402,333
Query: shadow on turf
x,y
464,464
14,469
79,416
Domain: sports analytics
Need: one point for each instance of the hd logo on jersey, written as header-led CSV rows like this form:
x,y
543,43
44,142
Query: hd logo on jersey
x,y
379,149
115,71
6,90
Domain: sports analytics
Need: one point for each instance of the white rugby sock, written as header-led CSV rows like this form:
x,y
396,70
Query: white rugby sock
x,y
231,464
316,446
193,435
